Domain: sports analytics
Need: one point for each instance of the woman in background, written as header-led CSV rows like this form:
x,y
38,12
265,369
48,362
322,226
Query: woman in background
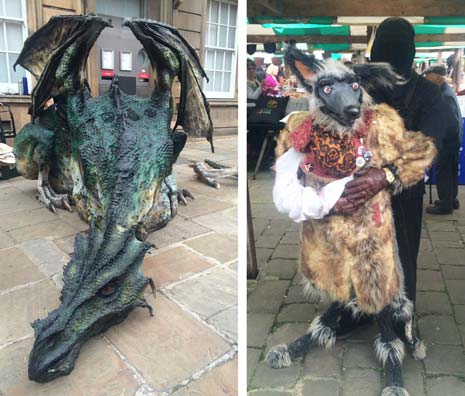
x,y
270,84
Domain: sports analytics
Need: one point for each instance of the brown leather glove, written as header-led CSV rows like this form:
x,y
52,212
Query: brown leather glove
x,y
366,184
343,207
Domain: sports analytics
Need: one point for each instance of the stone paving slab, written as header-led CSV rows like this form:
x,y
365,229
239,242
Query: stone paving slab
x,y
220,247
177,230
16,269
320,387
321,363
45,255
173,265
361,382
226,322
258,327
208,293
433,303
222,381
439,329
12,200
52,229
24,218
20,307
222,222
445,386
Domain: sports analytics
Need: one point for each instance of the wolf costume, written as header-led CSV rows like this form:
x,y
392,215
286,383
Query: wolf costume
x,y
353,259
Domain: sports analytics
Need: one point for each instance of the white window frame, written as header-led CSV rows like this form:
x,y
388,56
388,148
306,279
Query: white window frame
x,y
231,92
12,87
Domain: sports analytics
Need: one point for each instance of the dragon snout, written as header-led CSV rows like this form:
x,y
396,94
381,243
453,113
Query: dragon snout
x,y
52,358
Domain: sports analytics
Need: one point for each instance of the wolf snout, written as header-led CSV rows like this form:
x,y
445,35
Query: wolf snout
x,y
352,112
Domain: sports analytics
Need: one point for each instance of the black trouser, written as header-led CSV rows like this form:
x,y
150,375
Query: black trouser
x,y
447,177
407,209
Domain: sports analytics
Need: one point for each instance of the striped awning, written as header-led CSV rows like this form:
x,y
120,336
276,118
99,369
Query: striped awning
x,y
354,33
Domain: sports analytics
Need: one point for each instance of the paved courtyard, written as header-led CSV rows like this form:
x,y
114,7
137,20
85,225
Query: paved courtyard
x,y
278,313
188,348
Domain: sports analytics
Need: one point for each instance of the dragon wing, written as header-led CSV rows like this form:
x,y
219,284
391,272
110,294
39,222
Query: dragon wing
x,y
171,55
56,55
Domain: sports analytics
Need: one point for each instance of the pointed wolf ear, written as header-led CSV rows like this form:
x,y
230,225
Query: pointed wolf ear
x,y
377,76
303,66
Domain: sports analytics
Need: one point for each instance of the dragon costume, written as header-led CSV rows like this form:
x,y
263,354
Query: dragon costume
x,y
111,156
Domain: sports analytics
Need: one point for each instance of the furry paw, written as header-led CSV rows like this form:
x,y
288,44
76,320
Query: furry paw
x,y
278,357
394,391
418,351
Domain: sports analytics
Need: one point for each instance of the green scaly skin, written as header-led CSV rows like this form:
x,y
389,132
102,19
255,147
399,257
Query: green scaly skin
x,y
113,156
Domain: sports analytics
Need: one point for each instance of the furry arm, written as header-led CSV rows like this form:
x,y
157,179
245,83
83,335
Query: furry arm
x,y
299,202
411,152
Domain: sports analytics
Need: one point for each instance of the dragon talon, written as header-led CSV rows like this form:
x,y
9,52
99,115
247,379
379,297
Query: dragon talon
x,y
183,195
66,205
153,287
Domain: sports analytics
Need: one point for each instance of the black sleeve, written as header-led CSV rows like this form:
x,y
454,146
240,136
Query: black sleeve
x,y
432,114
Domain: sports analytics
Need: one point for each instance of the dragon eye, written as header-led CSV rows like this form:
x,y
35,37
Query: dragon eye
x,y
355,86
107,290
327,89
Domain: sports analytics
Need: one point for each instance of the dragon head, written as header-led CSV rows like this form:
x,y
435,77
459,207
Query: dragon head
x,y
102,284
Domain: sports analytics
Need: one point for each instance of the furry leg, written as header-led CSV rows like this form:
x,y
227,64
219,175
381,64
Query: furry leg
x,y
403,322
322,331
389,349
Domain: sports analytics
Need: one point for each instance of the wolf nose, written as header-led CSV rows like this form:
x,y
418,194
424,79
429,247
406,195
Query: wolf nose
x,y
352,111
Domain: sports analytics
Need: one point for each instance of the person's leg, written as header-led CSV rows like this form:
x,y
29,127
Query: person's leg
x,y
408,211
455,179
444,183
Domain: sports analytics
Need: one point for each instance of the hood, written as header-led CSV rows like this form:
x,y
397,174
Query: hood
x,y
395,44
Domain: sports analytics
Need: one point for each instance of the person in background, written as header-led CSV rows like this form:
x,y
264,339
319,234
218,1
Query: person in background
x,y
254,87
447,162
270,84
419,103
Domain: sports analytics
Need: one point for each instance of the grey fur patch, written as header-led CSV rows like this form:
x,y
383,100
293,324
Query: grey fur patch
x,y
403,308
278,357
312,294
353,307
374,76
394,391
322,335
419,350
393,350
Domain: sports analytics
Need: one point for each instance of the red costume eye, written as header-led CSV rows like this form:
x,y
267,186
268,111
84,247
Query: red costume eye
x,y
107,290
355,86
327,89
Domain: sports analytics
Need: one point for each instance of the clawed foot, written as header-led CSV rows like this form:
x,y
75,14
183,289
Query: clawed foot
x,y
209,176
183,195
49,197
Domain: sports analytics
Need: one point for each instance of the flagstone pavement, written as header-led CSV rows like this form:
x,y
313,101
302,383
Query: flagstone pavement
x,y
188,348
278,312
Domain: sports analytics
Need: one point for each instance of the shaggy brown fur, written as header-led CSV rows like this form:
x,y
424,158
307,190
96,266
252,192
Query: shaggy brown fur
x,y
353,258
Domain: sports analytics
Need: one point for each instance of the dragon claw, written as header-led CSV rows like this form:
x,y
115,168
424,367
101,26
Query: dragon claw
x,y
50,198
183,195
